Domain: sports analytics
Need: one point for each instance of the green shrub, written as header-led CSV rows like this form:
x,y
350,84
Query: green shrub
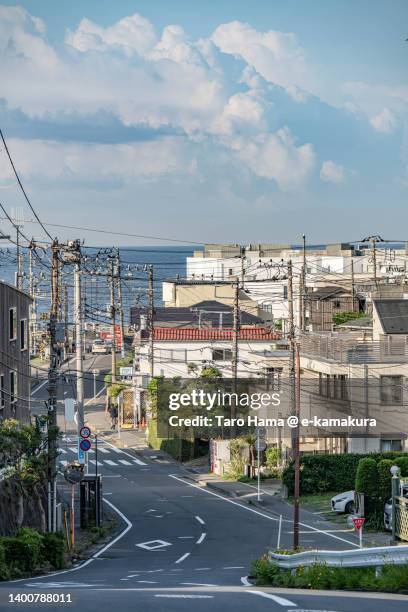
x,y
366,477
327,472
24,552
402,463
54,549
273,458
4,570
384,478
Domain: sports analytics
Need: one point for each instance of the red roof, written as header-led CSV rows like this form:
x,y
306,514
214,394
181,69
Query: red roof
x,y
185,334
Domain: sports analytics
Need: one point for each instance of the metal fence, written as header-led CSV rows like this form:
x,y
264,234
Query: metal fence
x,y
351,349
373,557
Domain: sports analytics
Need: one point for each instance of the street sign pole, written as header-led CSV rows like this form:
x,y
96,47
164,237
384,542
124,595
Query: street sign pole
x,y
259,477
361,536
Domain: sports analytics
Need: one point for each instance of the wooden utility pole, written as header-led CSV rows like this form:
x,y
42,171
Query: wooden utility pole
x,y
235,355
52,390
151,320
293,391
33,306
120,305
19,272
113,317
66,328
242,255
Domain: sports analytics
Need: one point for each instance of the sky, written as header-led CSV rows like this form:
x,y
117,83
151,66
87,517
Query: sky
x,y
207,121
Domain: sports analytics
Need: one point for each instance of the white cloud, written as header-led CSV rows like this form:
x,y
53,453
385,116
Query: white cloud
x,y
132,34
385,122
40,160
331,172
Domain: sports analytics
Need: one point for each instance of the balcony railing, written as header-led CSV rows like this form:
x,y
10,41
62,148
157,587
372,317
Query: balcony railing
x,y
353,350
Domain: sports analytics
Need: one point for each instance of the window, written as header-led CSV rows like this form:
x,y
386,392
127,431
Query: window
x,y
222,355
13,386
23,334
334,386
391,390
285,292
12,323
2,394
391,445
273,378
230,271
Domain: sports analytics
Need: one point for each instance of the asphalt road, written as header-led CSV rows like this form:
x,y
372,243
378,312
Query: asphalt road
x,y
182,547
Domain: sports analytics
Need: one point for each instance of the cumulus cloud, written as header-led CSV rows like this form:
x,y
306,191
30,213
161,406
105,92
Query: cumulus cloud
x,y
385,122
331,172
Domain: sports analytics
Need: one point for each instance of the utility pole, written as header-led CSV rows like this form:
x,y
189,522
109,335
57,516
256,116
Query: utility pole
x,y
52,390
19,273
235,355
33,305
120,305
296,499
113,317
242,255
303,287
151,320
353,287
66,328
79,338
374,249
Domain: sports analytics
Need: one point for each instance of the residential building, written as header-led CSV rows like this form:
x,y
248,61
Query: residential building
x,y
15,357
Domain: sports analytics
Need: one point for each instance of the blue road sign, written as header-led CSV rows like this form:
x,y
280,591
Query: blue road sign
x,y
81,453
85,444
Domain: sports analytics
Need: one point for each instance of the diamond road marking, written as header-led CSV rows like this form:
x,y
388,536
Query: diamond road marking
x,y
153,544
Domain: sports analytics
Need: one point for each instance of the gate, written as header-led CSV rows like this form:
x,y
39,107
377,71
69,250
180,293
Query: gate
x,y
401,518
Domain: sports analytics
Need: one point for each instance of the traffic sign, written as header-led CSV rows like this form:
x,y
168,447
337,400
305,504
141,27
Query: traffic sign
x,y
85,432
85,445
260,445
81,452
358,522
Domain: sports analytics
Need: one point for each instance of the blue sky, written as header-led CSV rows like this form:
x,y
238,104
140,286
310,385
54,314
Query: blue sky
x,y
210,121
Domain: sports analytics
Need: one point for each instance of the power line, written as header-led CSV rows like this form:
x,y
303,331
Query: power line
x,y
21,186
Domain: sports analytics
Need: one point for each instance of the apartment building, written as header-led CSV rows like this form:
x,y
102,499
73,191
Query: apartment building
x,y
15,358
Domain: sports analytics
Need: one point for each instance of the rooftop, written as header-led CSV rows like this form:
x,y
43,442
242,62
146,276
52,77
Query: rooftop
x,y
192,334
393,315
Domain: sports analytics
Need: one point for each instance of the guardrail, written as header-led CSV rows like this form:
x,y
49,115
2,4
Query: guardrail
x,y
374,557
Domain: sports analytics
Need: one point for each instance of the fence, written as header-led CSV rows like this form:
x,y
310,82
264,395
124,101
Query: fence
x,y
374,557
351,349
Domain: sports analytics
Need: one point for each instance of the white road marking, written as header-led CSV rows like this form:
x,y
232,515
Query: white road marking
x,y
185,537
234,567
100,463
198,584
147,582
95,396
153,544
139,461
201,538
103,450
64,462
201,569
40,386
279,600
245,581
124,462
62,450
186,596
200,520
110,462
182,558
73,449
267,516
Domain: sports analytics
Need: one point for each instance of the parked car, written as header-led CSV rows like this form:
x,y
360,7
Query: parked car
x,y
388,509
343,502
99,347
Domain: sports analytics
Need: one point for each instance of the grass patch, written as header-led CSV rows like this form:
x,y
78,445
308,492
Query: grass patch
x,y
391,579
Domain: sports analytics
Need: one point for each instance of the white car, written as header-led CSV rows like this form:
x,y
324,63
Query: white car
x,y
343,502
99,347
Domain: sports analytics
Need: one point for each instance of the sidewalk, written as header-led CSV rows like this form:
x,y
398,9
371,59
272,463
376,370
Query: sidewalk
x,y
273,504
99,421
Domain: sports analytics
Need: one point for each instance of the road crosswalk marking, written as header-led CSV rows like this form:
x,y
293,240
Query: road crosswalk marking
x,y
103,450
110,462
124,462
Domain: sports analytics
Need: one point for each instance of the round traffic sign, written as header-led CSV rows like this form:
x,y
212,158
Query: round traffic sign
x,y
85,444
260,445
85,432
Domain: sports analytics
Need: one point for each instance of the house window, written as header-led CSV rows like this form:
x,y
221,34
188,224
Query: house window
x,y
23,334
221,355
13,386
285,292
2,394
336,303
273,378
12,323
391,445
391,390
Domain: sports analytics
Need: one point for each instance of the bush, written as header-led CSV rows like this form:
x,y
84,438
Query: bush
x,y
391,579
367,483
402,463
24,552
384,479
4,570
54,549
322,473
273,457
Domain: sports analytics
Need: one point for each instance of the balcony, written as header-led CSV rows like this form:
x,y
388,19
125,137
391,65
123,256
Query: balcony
x,y
352,349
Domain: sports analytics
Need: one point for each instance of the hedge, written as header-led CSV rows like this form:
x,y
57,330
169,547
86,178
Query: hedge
x,y
29,551
322,473
179,448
